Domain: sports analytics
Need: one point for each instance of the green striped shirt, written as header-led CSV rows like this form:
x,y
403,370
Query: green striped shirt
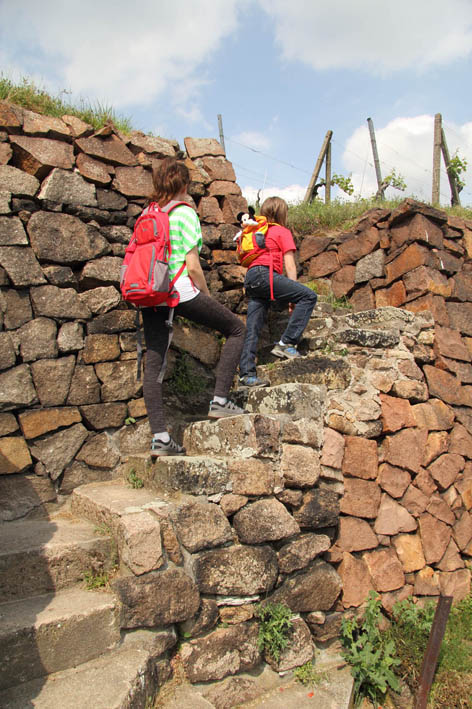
x,y
185,233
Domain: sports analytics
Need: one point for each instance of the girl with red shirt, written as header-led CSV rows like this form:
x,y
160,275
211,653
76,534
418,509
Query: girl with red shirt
x,y
280,247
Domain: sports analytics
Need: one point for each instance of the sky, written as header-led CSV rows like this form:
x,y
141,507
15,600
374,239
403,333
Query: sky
x,y
281,73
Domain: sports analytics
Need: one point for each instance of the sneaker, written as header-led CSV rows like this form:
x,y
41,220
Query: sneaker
x,y
250,380
159,448
287,351
218,411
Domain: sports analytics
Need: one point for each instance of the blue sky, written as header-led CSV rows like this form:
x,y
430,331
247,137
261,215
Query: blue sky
x,y
280,72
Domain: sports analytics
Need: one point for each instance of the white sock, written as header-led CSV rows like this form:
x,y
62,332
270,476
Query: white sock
x,y
162,436
219,400
281,342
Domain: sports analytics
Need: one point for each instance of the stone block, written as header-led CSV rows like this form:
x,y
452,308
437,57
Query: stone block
x,y
140,542
252,477
57,450
315,589
21,265
385,570
356,535
301,551
237,436
299,465
37,156
238,570
361,498
360,458
435,537
356,580
14,455
393,518
36,423
445,469
54,302
16,388
18,182
264,520
405,448
201,525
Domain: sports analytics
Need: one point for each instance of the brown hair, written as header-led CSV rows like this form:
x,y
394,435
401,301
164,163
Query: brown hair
x,y
169,179
275,209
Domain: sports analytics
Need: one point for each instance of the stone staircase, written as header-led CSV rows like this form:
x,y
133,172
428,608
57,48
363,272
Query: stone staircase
x,y
169,548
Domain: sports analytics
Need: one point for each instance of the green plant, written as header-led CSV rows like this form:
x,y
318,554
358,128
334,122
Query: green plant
x,y
275,627
95,580
370,654
308,674
452,686
134,480
27,94
183,379
457,166
130,420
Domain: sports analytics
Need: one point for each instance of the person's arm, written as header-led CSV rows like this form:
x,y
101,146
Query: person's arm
x,y
192,260
290,265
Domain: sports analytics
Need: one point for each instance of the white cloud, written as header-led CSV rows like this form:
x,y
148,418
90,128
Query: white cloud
x,y
118,52
253,140
372,36
405,144
291,194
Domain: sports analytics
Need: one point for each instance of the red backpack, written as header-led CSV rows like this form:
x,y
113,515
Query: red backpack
x,y
144,278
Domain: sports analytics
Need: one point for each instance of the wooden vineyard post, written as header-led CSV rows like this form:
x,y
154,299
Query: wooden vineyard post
x,y
328,174
431,655
436,157
373,142
455,199
324,148
222,137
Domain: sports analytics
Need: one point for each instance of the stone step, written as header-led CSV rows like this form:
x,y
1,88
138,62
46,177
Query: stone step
x,y
332,690
39,556
127,677
331,372
45,634
291,399
193,475
243,436
104,503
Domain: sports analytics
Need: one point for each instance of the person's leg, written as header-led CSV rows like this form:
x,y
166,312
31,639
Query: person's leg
x,y
156,336
286,290
256,316
204,310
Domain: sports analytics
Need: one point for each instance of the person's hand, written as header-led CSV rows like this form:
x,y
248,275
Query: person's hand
x,y
291,306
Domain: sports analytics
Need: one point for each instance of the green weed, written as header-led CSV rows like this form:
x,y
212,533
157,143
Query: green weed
x,y
183,379
275,627
323,289
28,95
134,480
95,580
452,686
308,674
130,420
370,654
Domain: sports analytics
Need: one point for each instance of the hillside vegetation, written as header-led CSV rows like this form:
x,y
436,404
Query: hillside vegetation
x,y
339,215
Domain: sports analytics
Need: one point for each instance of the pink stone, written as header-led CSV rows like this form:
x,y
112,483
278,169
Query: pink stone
x,y
356,580
361,498
445,469
405,448
427,582
396,413
333,448
410,552
437,443
385,569
434,415
415,501
393,480
360,458
435,536
441,510
451,560
455,584
462,530
356,535
461,441
392,518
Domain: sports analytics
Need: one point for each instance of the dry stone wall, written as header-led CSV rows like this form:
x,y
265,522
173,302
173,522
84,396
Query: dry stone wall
x,y
69,197
396,441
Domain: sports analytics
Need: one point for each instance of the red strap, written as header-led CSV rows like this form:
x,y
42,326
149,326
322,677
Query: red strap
x,y
271,275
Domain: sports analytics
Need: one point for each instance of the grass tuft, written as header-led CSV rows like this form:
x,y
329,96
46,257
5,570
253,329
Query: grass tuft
x,y
27,94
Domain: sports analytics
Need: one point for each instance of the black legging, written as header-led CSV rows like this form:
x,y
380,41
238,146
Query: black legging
x,y
202,310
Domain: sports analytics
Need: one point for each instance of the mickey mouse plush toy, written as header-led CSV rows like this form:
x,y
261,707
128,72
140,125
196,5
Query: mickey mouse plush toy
x,y
246,219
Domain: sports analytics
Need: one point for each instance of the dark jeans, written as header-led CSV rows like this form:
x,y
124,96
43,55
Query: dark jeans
x,y
257,288
204,311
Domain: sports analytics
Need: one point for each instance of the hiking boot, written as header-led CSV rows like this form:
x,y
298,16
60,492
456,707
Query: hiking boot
x,y
287,351
218,411
159,448
251,381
